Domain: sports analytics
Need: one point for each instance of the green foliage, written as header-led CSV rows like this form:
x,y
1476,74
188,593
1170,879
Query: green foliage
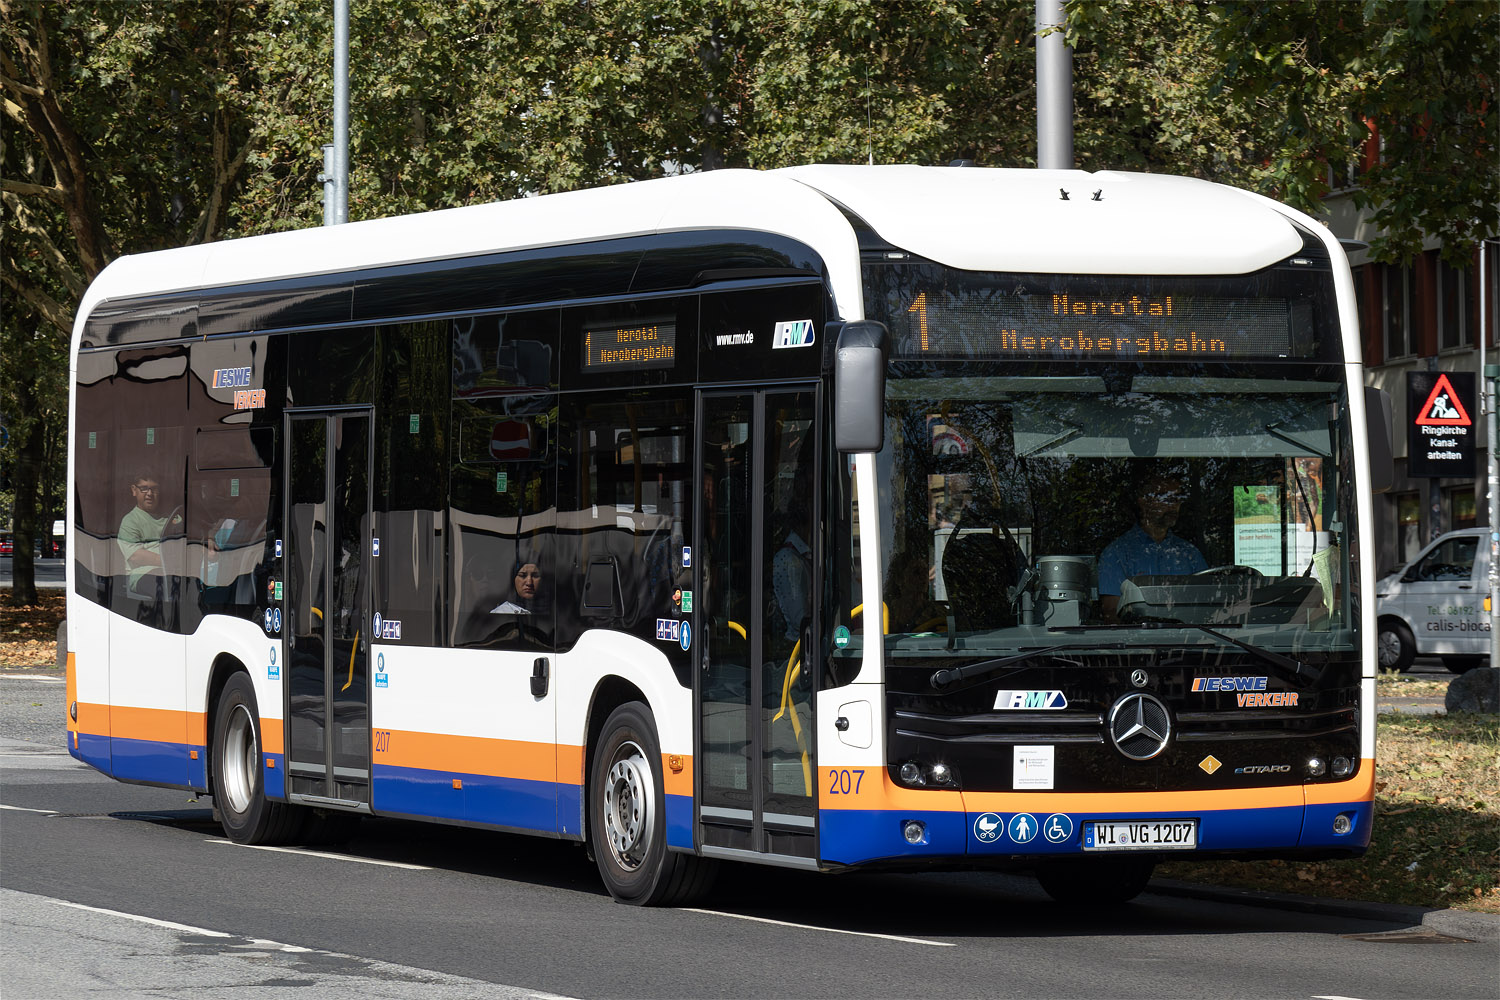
x,y
157,123
1267,95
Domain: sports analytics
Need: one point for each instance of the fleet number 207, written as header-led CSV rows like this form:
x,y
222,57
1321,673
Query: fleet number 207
x,y
842,781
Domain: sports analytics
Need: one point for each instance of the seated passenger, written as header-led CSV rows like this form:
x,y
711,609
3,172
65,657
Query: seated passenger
x,y
1149,547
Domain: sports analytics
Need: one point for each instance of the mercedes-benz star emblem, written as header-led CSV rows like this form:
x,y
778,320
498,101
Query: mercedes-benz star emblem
x,y
1138,678
1140,726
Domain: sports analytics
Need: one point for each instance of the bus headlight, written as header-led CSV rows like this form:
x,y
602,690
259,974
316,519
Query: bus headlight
x,y
1342,766
911,773
1343,823
1316,767
942,774
915,831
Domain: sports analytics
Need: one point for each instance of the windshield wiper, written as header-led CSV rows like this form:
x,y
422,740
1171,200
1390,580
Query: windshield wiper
x,y
1297,667
984,668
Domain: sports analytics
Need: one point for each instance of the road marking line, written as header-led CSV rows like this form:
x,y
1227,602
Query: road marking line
x,y
23,809
321,854
830,930
1334,997
169,925
29,677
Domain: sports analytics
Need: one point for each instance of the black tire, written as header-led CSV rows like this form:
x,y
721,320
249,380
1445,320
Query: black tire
x,y
1394,646
1463,664
627,817
1095,882
239,784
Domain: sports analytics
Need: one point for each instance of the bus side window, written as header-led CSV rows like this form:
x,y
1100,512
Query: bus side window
x,y
628,495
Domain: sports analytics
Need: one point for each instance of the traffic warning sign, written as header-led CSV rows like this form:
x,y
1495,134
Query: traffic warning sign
x,y
1443,407
1440,430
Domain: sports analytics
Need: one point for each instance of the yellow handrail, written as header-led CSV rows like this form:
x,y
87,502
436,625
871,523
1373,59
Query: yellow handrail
x,y
793,669
352,651
740,629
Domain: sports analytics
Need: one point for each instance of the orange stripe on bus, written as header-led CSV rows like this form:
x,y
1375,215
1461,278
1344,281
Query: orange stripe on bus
x,y
848,788
1360,788
680,781
469,755
271,739
158,725
71,694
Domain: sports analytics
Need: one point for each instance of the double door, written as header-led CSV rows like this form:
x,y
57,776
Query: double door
x,y
755,612
328,620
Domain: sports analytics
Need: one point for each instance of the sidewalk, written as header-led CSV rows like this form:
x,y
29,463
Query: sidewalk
x,y
1411,706
1448,923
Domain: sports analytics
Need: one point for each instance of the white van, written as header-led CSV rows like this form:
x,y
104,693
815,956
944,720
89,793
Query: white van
x,y
1434,605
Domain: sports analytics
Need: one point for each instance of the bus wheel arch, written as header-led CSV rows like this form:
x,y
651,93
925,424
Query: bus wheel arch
x,y
625,809
234,762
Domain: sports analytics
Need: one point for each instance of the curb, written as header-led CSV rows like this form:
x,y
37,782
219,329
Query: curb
x,y
1453,923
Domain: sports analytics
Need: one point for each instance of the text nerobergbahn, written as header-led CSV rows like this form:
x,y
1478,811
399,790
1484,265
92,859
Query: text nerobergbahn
x,y
826,517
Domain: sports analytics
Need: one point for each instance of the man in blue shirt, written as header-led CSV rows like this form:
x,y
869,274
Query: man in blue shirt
x,y
1150,547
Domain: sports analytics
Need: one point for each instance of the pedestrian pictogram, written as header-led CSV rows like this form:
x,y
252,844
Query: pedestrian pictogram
x,y
1443,407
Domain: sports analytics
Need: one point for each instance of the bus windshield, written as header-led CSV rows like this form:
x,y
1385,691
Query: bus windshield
x,y
1023,507
1069,459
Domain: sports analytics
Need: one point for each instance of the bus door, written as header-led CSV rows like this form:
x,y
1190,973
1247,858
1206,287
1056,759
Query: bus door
x,y
755,613
327,606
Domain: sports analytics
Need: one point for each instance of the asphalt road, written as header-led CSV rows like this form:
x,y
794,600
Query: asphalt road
x,y
122,890
50,573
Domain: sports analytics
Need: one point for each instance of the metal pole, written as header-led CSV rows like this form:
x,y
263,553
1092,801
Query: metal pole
x,y
1054,90
330,185
341,111
1487,378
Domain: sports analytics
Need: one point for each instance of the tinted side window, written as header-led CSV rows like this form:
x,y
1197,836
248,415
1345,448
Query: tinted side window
x,y
95,495
154,563
232,489
627,483
411,476
504,353
503,577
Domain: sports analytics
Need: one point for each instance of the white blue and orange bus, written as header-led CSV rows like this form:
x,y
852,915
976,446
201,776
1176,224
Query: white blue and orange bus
x,y
796,517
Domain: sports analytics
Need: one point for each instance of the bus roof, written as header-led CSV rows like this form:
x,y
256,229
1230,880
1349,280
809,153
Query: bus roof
x,y
971,218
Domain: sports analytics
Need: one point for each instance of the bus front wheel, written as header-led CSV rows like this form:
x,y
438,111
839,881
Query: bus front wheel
x,y
239,791
1117,880
627,817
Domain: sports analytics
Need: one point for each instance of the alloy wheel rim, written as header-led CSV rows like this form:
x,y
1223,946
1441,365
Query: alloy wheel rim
x,y
629,801
239,759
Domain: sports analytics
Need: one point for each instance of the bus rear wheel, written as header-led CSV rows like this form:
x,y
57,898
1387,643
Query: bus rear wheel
x,y
1116,880
627,817
239,790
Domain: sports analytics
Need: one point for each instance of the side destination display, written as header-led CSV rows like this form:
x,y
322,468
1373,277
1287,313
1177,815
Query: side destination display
x,y
636,345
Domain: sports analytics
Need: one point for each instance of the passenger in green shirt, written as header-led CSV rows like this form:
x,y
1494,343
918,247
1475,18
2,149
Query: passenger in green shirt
x,y
141,533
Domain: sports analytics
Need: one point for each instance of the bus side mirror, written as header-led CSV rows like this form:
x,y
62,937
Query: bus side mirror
x,y
859,387
1378,422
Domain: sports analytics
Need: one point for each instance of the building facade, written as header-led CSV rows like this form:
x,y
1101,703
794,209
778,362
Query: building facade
x,y
1423,316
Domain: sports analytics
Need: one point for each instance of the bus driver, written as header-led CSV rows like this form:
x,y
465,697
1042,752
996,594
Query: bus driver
x,y
1149,547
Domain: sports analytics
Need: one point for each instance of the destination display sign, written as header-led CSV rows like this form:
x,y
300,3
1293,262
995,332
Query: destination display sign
x,y
630,346
1119,325
1440,424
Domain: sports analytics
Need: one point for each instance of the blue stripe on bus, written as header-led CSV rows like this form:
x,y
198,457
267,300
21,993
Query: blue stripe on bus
x,y
93,750
849,836
512,802
570,810
150,760
680,821
1317,825
274,782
